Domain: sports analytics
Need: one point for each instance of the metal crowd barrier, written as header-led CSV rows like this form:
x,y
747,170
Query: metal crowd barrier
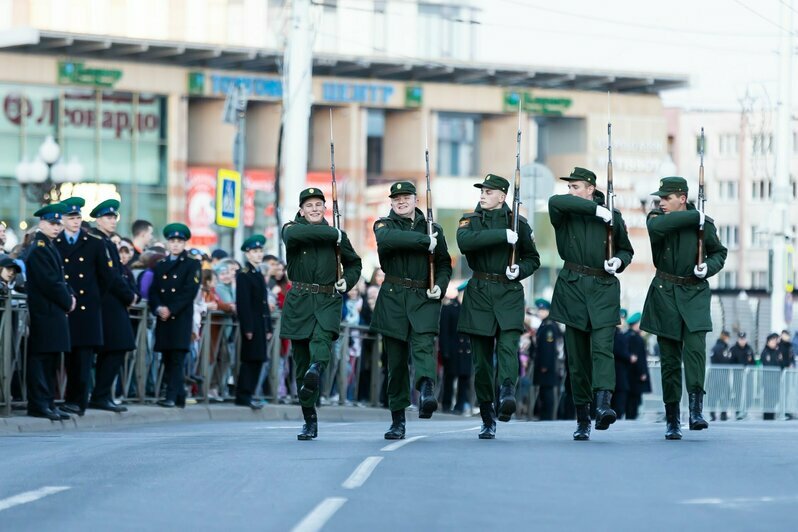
x,y
337,376
13,333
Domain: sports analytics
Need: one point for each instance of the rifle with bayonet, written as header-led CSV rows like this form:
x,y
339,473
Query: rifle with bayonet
x,y
701,202
336,213
516,187
610,194
430,228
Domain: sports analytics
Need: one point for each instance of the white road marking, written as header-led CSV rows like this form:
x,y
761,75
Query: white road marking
x,y
319,516
362,472
401,443
734,502
461,430
30,496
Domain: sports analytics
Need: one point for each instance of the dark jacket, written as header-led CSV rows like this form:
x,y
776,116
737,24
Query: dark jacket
x,y
787,356
771,357
620,350
88,274
721,354
117,297
252,306
548,339
742,355
455,347
174,285
49,298
639,378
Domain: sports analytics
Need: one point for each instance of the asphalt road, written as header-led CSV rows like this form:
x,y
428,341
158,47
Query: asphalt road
x,y
257,476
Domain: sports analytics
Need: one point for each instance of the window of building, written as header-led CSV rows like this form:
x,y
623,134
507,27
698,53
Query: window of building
x,y
380,26
727,144
375,136
762,144
761,190
458,145
729,236
445,31
759,236
727,279
759,280
728,190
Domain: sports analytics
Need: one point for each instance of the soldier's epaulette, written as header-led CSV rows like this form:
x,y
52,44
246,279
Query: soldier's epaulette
x,y
40,243
465,219
98,237
710,220
381,222
288,224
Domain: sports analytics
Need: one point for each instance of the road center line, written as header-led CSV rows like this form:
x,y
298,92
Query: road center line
x,y
460,430
401,443
361,472
319,516
30,496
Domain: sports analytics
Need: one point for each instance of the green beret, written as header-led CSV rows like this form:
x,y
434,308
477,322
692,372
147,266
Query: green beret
x,y
109,206
73,204
634,318
311,193
176,230
495,182
670,185
54,211
254,242
402,187
581,174
542,304
624,313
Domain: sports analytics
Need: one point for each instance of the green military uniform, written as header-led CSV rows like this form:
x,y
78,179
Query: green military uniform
x,y
677,303
407,319
312,309
586,297
493,305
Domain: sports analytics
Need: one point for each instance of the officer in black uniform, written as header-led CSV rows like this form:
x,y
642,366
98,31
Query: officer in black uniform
x,y
49,301
455,351
548,346
639,378
719,378
175,283
252,306
118,337
86,271
620,352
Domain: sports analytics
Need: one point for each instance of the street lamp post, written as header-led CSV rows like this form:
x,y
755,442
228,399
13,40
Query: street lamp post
x,y
39,177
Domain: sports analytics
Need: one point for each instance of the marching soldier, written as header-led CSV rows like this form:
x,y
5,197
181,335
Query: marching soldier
x,y
548,346
175,282
252,306
49,301
677,303
88,273
407,313
118,337
587,295
313,305
493,304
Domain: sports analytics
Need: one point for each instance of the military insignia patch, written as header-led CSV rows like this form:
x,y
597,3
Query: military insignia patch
x,y
399,186
110,264
463,223
311,191
40,243
381,224
196,279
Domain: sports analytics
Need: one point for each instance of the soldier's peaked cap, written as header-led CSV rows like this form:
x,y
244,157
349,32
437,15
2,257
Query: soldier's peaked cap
x,y
311,193
51,212
495,182
176,230
402,187
109,206
671,185
74,204
253,242
581,174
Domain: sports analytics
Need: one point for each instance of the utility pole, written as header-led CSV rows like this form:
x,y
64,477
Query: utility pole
x,y
297,92
781,181
235,113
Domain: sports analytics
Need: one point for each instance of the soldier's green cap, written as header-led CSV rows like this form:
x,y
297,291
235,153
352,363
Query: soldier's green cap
x,y
109,206
253,242
176,230
581,174
624,313
496,182
52,212
542,304
671,185
462,286
73,205
634,318
310,193
402,187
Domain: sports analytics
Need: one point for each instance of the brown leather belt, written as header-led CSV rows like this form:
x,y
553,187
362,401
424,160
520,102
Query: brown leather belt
x,y
314,288
492,277
586,270
406,282
677,279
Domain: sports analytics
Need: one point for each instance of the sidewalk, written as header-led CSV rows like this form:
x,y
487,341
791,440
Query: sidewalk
x,y
143,414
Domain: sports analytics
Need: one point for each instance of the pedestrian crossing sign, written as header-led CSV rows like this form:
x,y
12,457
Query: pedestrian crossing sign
x,y
228,198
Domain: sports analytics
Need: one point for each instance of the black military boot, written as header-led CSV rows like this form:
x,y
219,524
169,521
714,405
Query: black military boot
x,y
427,404
310,382
605,415
506,401
673,426
397,430
697,421
582,423
488,430
311,427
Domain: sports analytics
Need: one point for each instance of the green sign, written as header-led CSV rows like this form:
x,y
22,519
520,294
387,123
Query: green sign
x,y
536,105
196,83
414,96
72,73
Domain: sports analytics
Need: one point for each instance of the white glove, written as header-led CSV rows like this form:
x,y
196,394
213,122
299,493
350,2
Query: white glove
x,y
611,266
435,293
433,241
340,235
701,218
700,271
512,272
603,213
340,285
512,236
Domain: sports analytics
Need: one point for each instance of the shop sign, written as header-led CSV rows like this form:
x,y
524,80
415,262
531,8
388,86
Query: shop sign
x,y
537,105
77,73
354,92
218,84
414,96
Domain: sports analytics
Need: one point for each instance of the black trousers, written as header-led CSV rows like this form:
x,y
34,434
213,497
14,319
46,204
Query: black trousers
x,y
78,370
41,380
633,405
108,365
546,399
175,376
248,374
463,385
619,403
